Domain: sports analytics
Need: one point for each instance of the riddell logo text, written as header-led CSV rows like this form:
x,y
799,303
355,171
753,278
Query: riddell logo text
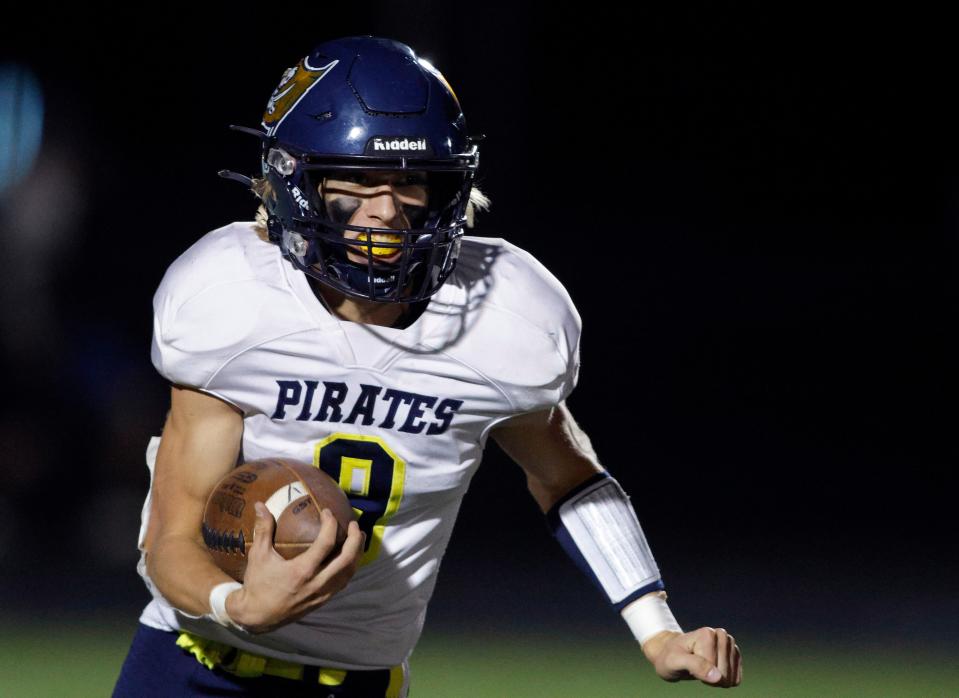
x,y
399,144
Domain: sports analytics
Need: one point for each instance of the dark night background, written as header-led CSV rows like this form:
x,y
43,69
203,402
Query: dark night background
x,y
755,213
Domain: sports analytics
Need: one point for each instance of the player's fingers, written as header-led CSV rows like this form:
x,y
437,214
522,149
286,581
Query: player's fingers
x,y
343,564
731,653
723,646
352,547
262,528
729,678
700,659
324,542
704,642
357,544
698,667
334,576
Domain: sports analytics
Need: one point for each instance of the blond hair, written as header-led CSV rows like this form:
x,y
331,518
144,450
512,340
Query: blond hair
x,y
261,187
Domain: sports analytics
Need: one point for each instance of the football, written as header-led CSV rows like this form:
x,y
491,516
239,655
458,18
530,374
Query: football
x,y
295,493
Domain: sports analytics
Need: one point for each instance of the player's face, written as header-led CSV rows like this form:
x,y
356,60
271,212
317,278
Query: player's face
x,y
377,199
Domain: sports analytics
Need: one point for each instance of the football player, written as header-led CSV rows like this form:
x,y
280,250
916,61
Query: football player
x,y
353,325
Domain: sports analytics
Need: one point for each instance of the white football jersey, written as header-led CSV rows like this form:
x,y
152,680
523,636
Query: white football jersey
x,y
399,417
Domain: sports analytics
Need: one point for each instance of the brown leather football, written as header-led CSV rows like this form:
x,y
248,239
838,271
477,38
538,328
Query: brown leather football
x,y
295,493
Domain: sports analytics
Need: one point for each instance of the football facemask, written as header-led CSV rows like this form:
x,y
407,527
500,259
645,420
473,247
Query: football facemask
x,y
386,264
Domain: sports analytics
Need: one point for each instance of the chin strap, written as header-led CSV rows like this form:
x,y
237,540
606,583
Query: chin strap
x,y
358,278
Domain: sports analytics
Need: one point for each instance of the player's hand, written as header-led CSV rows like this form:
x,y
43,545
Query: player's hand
x,y
708,654
277,591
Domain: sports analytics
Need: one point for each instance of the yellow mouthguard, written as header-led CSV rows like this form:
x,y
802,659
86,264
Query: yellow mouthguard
x,y
384,251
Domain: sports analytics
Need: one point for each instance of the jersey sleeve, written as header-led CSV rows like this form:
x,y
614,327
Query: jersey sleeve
x,y
202,318
174,352
548,377
539,331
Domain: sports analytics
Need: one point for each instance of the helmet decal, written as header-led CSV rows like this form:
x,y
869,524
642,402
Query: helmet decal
x,y
294,85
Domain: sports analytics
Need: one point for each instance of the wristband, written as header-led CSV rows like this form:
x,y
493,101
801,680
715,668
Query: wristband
x,y
648,616
218,596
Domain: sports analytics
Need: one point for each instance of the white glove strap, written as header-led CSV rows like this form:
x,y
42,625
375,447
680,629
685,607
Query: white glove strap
x,y
649,615
218,596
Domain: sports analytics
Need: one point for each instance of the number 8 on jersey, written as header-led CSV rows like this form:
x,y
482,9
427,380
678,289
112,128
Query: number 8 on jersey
x,y
372,476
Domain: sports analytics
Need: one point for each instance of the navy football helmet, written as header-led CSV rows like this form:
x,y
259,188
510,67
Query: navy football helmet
x,y
366,104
